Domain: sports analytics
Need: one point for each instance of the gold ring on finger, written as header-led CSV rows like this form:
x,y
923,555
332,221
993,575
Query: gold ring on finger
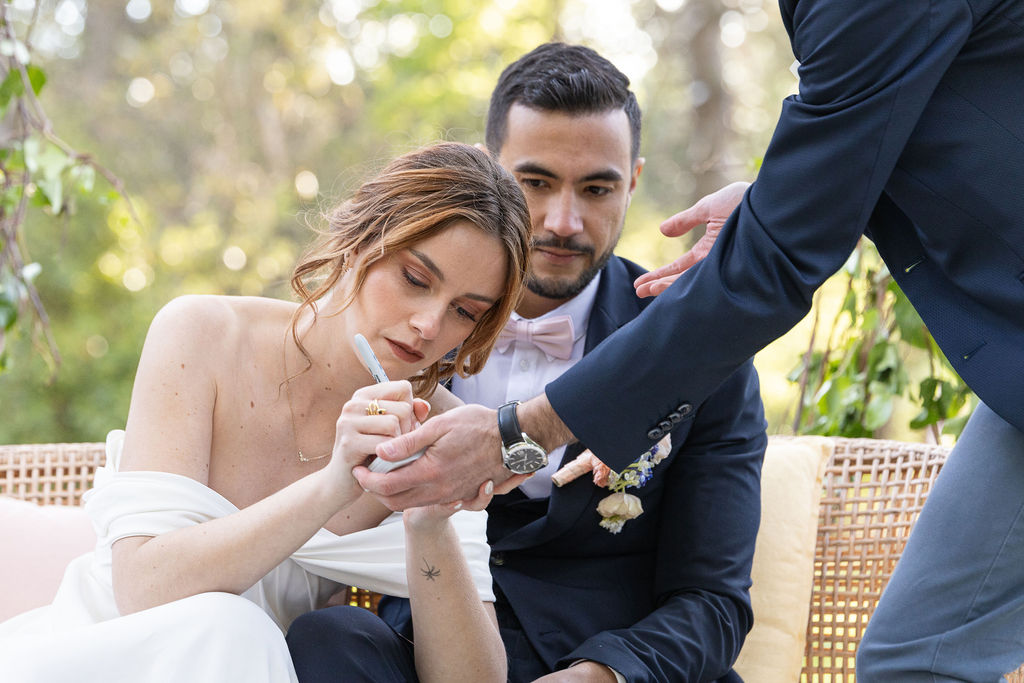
x,y
374,408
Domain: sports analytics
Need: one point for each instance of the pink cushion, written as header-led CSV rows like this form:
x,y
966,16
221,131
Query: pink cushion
x,y
36,544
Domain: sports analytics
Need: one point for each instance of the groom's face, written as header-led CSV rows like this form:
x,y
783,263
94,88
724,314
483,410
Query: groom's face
x,y
578,177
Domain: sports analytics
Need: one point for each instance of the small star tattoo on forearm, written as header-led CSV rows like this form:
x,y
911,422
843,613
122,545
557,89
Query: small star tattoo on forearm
x,y
428,571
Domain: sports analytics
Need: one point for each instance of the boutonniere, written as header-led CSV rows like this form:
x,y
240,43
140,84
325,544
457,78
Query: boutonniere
x,y
619,507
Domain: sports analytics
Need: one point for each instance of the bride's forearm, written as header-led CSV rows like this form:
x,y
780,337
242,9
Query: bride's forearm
x,y
229,554
457,637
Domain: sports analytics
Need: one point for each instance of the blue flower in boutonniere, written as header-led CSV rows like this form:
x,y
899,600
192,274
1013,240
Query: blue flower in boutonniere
x,y
619,507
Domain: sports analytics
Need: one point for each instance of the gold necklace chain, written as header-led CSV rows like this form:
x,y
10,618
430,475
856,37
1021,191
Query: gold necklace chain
x,y
291,411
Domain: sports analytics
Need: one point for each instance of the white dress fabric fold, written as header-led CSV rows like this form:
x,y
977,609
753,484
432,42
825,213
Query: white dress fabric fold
x,y
208,637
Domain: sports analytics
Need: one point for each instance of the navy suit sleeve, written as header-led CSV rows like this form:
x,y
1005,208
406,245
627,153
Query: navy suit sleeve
x,y
868,70
708,521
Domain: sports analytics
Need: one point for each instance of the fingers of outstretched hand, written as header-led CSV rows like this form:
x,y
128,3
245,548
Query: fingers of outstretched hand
x,y
682,222
483,497
660,280
718,206
675,268
462,451
712,209
417,484
510,483
411,441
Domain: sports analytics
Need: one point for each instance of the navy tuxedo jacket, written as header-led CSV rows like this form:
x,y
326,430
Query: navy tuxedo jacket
x,y
666,599
908,127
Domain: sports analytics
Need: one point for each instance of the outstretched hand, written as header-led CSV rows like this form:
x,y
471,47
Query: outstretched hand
x,y
463,450
713,210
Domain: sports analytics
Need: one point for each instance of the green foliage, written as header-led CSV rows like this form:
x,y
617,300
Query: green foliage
x,y
42,182
214,117
872,359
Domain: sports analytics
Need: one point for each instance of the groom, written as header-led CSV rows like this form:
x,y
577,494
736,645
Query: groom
x,y
665,598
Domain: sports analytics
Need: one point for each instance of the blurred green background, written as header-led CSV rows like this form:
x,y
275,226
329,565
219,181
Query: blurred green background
x,y
232,124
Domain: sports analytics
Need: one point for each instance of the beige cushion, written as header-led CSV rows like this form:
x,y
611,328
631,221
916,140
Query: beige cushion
x,y
783,572
36,544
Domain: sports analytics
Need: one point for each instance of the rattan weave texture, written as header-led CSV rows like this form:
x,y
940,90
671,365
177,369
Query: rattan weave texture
x,y
49,473
872,492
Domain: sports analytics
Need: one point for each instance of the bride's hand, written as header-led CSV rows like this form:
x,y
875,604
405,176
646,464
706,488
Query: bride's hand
x,y
374,414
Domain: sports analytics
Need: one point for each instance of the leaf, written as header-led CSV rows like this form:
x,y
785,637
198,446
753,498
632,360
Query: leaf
x,y
811,366
8,312
850,304
52,189
955,426
936,396
36,77
11,87
83,177
46,159
878,411
870,319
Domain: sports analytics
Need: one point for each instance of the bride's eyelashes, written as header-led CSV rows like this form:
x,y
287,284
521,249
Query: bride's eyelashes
x,y
413,281
464,313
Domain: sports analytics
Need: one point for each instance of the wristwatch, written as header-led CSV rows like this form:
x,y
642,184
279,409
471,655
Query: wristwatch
x,y
520,453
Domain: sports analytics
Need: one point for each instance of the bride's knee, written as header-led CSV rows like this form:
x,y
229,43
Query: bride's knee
x,y
228,619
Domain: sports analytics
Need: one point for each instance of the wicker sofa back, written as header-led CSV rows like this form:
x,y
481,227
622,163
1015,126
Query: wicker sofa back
x,y
872,493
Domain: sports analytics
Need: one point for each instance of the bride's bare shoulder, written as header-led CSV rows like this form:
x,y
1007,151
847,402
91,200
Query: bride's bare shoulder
x,y
218,315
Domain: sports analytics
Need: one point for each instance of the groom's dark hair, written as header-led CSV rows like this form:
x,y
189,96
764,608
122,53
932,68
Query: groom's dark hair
x,y
564,78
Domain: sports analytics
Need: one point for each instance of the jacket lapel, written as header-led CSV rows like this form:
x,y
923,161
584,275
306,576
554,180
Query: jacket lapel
x,y
615,304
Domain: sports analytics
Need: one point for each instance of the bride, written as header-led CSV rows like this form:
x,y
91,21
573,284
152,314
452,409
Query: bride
x,y
230,508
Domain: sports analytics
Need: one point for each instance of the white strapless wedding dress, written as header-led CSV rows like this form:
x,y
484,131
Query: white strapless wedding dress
x,y
213,637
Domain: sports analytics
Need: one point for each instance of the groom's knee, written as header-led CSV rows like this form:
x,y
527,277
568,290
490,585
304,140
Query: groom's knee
x,y
346,643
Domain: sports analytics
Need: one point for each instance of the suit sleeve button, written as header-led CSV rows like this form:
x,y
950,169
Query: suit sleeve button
x,y
655,433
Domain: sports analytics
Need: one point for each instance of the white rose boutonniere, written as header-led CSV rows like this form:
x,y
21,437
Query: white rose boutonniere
x,y
619,507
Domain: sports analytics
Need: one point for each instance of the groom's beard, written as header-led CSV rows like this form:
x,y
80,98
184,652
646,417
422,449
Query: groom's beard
x,y
567,287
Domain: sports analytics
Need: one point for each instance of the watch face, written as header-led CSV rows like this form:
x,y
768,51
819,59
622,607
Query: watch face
x,y
524,458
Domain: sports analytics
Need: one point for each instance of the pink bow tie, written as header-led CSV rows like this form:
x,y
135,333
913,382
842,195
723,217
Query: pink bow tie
x,y
554,336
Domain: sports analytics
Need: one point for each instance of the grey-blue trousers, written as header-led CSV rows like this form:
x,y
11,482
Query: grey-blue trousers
x,y
954,608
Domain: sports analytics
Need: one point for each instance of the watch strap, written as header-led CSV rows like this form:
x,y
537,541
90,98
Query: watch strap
x,y
508,424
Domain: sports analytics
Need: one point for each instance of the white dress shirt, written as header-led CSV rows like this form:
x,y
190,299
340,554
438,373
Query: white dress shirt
x,y
523,370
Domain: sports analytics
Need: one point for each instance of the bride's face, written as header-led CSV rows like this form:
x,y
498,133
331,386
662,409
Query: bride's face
x,y
418,304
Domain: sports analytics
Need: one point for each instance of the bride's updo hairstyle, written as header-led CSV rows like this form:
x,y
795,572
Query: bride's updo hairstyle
x,y
416,196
